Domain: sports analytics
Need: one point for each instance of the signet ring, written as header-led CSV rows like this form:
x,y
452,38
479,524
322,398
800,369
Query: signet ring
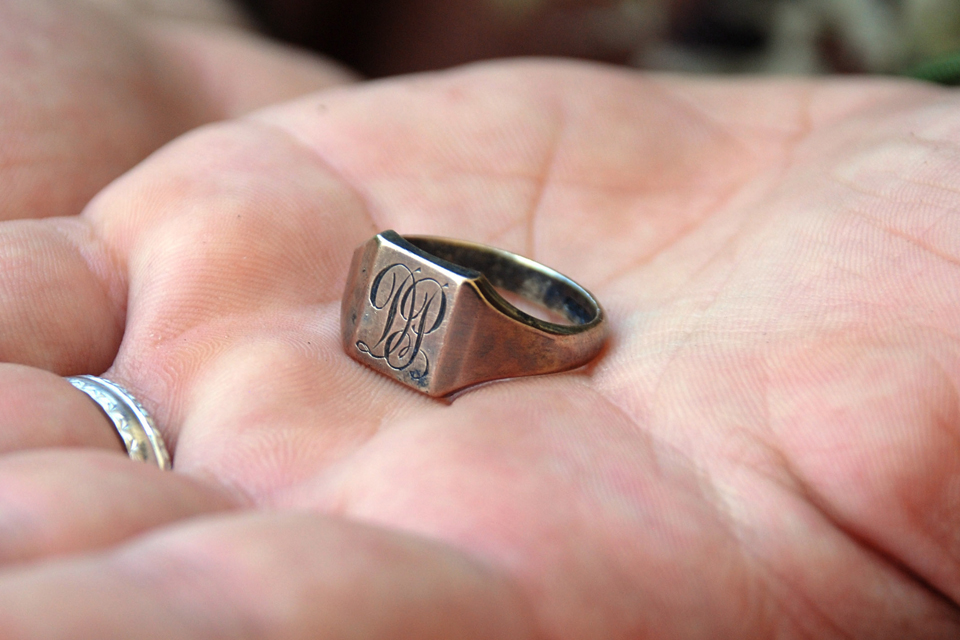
x,y
427,312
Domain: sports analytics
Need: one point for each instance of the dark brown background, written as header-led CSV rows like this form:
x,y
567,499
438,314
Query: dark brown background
x,y
381,37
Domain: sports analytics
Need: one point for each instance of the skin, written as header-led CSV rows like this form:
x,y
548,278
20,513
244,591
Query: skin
x,y
89,88
767,447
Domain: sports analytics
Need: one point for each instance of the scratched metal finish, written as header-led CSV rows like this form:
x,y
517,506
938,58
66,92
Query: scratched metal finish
x,y
400,312
438,327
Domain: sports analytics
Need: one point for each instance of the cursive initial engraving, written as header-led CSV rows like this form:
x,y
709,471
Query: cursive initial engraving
x,y
413,307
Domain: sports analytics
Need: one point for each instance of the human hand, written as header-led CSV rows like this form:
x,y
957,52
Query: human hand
x,y
88,88
766,448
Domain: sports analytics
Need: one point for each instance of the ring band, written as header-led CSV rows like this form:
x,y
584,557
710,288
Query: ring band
x,y
426,312
131,420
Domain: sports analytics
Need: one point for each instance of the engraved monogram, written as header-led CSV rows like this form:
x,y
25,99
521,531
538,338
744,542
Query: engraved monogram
x,y
412,307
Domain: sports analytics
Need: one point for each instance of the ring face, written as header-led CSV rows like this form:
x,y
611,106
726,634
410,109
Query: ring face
x,y
408,308
438,325
402,309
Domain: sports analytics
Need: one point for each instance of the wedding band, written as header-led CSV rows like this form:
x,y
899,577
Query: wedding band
x,y
131,420
426,312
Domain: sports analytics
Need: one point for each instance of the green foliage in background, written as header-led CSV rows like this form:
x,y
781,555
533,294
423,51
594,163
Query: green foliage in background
x,y
945,70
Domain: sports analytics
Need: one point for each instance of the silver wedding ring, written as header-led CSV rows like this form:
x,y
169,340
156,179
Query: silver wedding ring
x,y
133,423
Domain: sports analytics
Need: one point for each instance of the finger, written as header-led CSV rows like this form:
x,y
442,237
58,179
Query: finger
x,y
39,409
61,297
265,576
86,94
241,71
82,99
60,502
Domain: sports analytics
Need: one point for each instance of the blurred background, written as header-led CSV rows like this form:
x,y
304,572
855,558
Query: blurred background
x,y
383,37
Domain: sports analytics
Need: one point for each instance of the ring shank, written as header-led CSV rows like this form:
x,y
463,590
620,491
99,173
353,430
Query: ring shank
x,y
530,280
132,422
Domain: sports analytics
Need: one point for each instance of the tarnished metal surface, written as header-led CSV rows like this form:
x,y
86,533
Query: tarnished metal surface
x,y
426,312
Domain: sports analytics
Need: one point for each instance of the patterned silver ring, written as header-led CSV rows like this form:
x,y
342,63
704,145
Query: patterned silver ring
x,y
135,426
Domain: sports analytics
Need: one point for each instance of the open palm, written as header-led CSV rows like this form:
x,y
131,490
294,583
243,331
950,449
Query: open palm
x,y
768,446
